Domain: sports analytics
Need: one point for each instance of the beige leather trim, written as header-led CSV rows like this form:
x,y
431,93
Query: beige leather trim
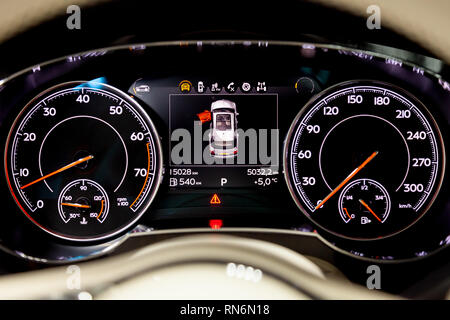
x,y
171,257
425,22
17,16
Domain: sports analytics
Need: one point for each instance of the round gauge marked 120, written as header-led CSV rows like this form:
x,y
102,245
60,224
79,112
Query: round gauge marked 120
x,y
83,161
364,160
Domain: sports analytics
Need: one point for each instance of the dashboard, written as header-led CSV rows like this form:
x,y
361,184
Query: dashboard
x,y
332,151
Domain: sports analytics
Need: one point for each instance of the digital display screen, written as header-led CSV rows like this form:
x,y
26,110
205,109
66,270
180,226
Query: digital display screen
x,y
237,133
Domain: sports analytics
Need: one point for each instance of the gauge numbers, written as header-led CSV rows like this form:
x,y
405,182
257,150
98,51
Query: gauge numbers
x,y
364,160
83,161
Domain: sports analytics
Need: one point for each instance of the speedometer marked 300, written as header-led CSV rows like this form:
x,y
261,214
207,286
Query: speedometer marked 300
x,y
362,145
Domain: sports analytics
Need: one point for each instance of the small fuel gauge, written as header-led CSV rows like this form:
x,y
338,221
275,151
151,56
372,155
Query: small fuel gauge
x,y
364,201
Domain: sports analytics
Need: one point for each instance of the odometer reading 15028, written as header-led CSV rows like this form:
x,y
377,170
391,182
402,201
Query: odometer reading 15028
x,y
83,161
364,160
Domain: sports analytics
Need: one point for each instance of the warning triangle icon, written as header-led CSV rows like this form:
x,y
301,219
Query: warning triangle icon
x,y
215,199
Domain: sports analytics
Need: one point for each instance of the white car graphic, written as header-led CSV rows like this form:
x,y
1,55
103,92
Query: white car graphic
x,y
223,138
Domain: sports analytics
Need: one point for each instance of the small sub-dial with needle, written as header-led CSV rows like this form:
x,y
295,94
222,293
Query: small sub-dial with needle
x,y
336,140
83,202
74,146
363,202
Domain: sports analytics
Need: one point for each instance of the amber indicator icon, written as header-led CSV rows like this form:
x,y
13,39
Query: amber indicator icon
x,y
215,199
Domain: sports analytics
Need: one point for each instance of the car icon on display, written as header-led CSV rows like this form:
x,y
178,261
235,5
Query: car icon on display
x,y
223,137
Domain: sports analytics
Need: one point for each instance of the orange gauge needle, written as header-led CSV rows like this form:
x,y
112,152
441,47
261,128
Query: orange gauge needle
x,y
349,177
368,208
346,212
73,164
76,205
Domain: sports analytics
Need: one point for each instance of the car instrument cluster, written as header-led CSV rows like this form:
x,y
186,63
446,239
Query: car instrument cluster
x,y
342,144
